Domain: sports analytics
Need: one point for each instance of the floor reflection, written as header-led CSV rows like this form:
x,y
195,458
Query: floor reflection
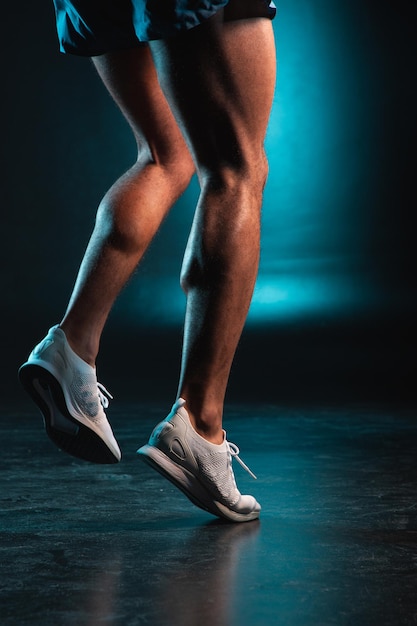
x,y
101,604
200,588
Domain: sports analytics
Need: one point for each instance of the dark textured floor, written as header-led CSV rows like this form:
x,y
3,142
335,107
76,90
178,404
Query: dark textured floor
x,y
117,545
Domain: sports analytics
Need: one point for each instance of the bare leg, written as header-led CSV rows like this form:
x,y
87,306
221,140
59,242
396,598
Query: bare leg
x,y
133,209
219,80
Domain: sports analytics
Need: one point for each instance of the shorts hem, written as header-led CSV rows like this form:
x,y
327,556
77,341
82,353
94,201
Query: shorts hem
x,y
132,25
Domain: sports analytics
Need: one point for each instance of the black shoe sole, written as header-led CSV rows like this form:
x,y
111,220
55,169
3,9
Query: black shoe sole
x,y
65,431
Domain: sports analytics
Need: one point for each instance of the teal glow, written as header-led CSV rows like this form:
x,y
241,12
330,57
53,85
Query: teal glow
x,y
303,297
314,230
319,145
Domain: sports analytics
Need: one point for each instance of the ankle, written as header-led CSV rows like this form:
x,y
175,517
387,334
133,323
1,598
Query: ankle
x,y
212,435
80,344
207,423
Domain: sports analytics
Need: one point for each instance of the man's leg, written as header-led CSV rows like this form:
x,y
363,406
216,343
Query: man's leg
x,y
219,79
59,373
133,209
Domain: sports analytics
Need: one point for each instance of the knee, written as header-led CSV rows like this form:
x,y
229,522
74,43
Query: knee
x,y
232,200
244,176
173,163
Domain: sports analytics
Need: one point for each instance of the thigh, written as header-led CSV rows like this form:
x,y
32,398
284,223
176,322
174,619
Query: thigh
x,y
131,79
219,79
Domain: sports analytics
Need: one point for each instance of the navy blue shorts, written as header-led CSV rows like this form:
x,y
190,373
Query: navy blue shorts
x,y
93,27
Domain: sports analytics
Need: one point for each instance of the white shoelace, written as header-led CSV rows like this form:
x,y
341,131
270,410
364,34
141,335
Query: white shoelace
x,y
234,453
104,395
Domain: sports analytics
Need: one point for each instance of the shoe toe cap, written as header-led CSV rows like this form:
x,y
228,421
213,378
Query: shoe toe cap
x,y
247,504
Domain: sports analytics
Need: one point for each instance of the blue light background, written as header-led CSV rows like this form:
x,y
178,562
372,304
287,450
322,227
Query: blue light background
x,y
315,216
336,232
335,304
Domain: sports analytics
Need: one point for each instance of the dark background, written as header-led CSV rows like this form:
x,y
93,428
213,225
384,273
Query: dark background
x,y
334,309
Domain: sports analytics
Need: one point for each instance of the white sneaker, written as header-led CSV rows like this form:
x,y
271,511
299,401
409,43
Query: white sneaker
x,y
201,469
66,390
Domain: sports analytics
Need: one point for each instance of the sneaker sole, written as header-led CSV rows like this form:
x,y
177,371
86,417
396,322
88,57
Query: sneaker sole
x,y
190,485
66,432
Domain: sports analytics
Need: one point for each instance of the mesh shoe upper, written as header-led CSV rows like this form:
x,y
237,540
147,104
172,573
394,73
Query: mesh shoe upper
x,y
211,463
77,378
84,396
